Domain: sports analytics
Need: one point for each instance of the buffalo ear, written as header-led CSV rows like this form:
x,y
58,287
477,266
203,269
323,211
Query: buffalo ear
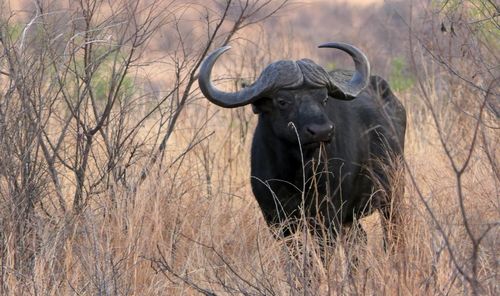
x,y
263,105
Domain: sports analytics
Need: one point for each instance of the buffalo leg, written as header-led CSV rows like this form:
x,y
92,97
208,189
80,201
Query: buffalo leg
x,y
355,241
391,210
391,225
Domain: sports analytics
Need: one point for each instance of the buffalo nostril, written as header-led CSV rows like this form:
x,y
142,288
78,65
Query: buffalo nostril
x,y
310,131
319,131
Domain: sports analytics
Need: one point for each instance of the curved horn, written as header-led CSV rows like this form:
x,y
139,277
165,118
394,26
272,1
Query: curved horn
x,y
224,99
361,77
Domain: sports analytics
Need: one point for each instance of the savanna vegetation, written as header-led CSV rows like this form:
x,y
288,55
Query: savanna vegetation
x,y
118,178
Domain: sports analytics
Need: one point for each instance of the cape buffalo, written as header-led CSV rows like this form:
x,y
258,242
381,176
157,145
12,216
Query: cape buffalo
x,y
325,144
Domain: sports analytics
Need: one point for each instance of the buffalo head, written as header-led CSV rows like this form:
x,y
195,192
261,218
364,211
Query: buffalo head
x,y
295,92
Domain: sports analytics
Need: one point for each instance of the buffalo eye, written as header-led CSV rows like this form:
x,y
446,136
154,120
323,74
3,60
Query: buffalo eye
x,y
282,103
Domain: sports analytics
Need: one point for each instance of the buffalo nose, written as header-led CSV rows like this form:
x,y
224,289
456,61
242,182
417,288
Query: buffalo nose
x,y
319,132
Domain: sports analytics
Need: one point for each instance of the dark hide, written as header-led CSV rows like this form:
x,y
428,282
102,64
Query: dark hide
x,y
325,145
367,138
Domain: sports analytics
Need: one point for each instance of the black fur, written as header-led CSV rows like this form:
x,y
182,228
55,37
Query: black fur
x,y
368,135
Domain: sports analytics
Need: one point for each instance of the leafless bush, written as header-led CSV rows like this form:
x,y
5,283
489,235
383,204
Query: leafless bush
x,y
78,121
454,56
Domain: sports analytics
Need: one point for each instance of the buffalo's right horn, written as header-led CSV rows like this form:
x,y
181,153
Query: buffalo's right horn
x,y
224,99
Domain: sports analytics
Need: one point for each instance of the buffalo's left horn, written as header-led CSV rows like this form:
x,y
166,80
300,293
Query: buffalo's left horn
x,y
361,76
224,99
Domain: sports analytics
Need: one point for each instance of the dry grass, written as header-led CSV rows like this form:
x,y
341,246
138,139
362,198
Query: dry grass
x,y
212,235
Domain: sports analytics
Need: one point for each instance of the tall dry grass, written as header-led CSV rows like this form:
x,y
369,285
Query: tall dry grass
x,y
180,231
193,227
